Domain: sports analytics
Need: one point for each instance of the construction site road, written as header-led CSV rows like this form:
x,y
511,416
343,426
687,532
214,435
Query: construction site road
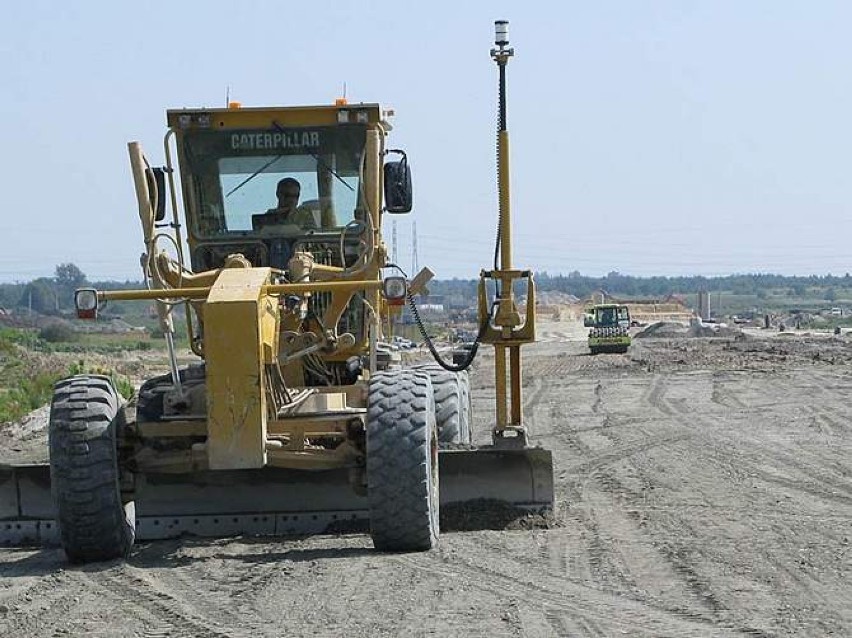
x,y
704,488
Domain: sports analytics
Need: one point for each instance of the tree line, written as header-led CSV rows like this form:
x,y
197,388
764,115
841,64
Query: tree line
x,y
54,295
617,284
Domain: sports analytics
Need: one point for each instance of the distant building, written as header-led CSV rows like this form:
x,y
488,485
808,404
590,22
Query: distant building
x,y
704,305
429,306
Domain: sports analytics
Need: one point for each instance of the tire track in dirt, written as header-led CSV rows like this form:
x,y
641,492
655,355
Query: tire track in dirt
x,y
532,398
761,454
676,554
596,406
722,396
525,563
567,626
231,582
829,414
604,558
814,486
654,397
831,411
610,612
47,604
161,613
776,458
827,421
626,450
673,553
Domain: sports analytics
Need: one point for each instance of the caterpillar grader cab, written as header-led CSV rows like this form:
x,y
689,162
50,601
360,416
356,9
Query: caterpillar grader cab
x,y
289,420
610,328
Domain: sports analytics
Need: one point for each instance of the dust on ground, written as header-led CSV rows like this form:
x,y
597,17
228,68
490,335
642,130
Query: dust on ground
x,y
704,488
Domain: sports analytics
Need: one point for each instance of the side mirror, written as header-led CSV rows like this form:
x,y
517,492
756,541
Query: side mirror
x,y
398,192
157,185
588,321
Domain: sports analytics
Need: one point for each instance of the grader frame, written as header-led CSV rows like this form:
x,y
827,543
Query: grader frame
x,y
290,423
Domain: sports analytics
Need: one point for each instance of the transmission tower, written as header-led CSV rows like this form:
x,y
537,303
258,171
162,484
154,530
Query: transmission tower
x,y
394,256
413,249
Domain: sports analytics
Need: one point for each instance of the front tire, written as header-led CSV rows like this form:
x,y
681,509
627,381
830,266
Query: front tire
x,y
402,462
94,523
452,402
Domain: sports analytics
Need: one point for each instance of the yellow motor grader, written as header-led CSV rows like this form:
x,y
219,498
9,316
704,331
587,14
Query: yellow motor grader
x,y
292,419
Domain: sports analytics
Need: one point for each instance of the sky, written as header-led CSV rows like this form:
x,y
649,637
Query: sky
x,y
648,138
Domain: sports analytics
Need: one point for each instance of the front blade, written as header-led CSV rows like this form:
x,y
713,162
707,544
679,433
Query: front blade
x,y
480,488
26,505
493,488
519,477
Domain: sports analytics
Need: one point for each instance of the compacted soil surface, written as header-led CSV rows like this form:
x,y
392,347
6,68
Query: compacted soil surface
x,y
703,486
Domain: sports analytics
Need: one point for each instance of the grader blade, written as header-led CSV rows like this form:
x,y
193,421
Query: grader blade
x,y
266,502
26,505
521,479
480,488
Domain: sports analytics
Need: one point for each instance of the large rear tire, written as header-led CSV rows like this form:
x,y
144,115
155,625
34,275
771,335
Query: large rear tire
x,y
94,523
452,402
402,462
466,407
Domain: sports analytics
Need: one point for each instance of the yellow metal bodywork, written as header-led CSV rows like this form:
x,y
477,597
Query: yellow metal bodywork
x,y
265,119
245,321
505,329
243,302
241,309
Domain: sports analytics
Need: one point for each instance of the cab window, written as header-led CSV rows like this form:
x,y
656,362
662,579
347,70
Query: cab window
x,y
232,176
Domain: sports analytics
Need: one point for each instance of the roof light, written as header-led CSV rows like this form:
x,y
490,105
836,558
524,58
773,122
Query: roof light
x,y
501,32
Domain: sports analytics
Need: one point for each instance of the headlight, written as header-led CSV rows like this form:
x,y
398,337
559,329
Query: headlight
x,y
395,290
86,303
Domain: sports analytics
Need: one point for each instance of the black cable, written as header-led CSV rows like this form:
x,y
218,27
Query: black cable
x,y
471,355
501,126
428,340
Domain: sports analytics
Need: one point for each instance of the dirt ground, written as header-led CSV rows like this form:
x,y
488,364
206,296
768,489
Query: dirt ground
x,y
704,488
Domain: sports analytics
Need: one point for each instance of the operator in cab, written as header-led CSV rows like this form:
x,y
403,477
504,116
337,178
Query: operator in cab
x,y
288,210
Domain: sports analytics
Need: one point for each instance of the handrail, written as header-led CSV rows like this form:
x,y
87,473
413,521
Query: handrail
x,y
268,289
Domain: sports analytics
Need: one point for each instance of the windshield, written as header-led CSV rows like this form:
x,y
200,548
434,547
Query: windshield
x,y
247,181
612,316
